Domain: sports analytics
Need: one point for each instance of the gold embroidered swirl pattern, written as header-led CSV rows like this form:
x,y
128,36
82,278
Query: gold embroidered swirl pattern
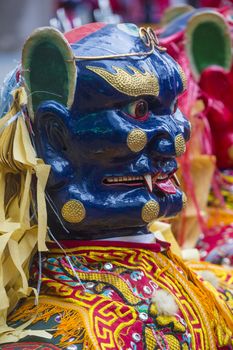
x,y
112,280
136,84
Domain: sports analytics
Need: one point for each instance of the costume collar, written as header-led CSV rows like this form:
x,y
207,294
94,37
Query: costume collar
x,y
154,241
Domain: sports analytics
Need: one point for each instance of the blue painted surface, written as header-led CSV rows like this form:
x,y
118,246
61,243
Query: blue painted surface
x,y
88,143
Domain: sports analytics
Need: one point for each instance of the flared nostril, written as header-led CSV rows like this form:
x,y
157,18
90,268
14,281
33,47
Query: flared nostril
x,y
180,146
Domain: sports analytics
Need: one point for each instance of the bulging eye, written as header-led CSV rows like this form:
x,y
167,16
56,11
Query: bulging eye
x,y
138,110
174,106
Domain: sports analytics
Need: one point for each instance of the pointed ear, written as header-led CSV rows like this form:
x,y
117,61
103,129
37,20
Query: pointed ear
x,y
173,12
208,42
48,68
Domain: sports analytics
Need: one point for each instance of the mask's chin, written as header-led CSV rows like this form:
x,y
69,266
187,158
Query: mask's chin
x,y
170,204
119,213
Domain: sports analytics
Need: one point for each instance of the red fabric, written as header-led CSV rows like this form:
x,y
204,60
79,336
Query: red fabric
x,y
77,34
217,88
155,247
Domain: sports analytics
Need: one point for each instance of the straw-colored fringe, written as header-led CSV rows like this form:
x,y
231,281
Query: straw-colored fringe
x,y
71,328
216,309
19,236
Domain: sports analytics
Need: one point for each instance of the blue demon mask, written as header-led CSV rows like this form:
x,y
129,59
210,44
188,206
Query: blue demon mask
x,y
104,105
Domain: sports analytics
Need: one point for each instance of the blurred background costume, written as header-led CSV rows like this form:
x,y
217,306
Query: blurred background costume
x,y
90,125
201,40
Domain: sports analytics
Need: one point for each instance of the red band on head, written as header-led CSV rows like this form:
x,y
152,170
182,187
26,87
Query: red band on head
x,y
77,34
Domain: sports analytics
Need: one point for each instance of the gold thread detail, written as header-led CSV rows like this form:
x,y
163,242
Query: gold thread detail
x,y
183,77
136,140
73,211
110,279
136,84
120,55
148,37
196,299
150,211
180,146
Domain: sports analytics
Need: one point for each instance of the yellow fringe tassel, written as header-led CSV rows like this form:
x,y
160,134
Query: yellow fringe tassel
x,y
19,234
217,310
72,324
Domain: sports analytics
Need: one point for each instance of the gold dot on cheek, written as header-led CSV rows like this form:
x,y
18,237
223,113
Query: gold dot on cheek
x,y
73,211
136,140
150,211
180,146
184,200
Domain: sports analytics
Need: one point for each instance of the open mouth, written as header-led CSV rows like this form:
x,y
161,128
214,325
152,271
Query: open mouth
x,y
167,183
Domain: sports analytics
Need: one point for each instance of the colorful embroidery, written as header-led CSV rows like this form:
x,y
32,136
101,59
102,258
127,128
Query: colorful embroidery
x,y
105,301
224,278
29,346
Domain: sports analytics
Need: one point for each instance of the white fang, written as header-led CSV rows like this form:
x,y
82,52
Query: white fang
x,y
148,180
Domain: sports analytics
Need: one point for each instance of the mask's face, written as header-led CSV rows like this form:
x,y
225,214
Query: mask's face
x,y
113,152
